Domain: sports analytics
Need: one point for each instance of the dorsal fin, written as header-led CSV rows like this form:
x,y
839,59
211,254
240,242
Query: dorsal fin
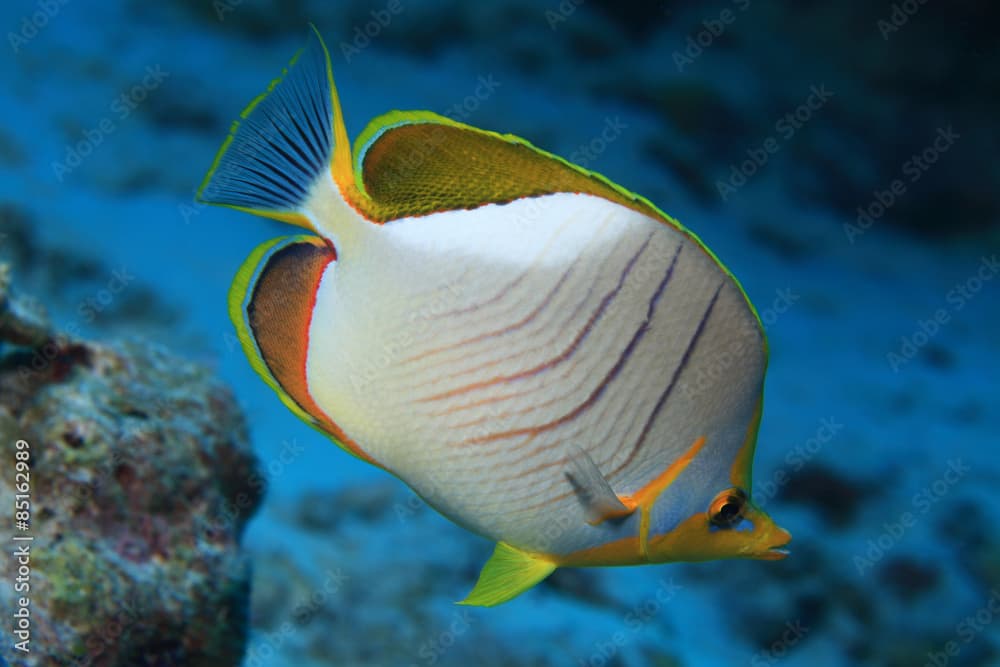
x,y
411,163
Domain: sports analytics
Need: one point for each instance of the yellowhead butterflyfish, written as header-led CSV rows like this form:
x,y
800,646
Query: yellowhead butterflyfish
x,y
547,359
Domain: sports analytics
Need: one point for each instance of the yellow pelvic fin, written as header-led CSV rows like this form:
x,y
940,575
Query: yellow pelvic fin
x,y
508,573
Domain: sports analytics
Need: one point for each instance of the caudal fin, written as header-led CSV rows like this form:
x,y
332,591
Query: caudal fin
x,y
283,143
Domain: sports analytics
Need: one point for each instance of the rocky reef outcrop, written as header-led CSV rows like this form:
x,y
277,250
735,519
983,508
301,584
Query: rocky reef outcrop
x,y
139,479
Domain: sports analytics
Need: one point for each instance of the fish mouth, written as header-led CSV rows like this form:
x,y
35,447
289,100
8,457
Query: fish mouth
x,y
775,553
778,551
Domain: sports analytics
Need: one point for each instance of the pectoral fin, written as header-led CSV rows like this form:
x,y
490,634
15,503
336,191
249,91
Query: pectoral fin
x,y
600,501
508,573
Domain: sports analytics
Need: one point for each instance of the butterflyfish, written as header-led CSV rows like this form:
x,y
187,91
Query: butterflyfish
x,y
546,358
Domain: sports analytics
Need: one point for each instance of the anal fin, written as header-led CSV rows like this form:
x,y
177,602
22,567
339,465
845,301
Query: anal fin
x,y
508,573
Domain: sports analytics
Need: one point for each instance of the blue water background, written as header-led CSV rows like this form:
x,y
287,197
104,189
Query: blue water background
x,y
837,306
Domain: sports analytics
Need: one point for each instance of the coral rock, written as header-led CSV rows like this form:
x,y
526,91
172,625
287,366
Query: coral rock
x,y
141,481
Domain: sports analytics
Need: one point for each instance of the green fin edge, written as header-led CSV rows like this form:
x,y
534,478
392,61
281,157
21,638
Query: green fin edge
x,y
239,292
380,124
232,133
508,573
290,216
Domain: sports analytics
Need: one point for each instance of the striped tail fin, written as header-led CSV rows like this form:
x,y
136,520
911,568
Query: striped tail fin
x,y
285,145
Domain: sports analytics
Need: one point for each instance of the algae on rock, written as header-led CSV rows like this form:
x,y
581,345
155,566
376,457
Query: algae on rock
x,y
142,479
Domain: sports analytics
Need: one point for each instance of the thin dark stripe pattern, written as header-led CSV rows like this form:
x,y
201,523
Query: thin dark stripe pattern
x,y
611,375
566,354
673,379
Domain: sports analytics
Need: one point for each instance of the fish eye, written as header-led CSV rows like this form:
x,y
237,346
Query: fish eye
x,y
727,508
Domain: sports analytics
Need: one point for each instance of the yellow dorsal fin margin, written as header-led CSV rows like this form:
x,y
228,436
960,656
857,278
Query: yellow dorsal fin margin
x,y
414,163
341,163
508,573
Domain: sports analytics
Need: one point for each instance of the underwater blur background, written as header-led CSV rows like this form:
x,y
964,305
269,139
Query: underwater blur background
x,y
839,158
